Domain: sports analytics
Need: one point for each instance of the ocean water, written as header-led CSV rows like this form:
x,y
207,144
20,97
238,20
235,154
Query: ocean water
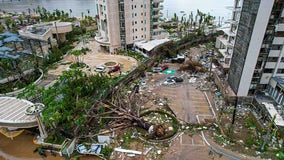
x,y
216,8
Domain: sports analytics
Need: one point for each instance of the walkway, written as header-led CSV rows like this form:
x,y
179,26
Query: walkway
x,y
93,58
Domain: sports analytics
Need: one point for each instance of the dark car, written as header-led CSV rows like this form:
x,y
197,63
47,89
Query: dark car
x,y
176,79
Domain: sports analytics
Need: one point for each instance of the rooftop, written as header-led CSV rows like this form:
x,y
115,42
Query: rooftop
x,y
148,46
12,113
273,112
279,80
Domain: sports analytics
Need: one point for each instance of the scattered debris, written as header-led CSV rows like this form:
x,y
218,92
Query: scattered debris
x,y
104,139
147,151
127,151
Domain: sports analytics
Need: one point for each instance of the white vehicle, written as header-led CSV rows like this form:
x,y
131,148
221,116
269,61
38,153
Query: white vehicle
x,y
100,69
143,82
169,82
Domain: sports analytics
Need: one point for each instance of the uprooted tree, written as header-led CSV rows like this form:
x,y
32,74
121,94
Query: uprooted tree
x,y
76,105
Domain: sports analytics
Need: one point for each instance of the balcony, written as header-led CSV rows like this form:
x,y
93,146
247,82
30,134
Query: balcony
x,y
62,27
158,8
158,29
158,1
157,15
278,40
102,41
158,23
42,37
101,2
274,53
280,27
270,65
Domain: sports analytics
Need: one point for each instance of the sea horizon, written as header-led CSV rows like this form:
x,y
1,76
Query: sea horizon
x,y
216,8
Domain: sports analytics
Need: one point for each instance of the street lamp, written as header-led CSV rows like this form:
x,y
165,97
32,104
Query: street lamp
x,y
210,70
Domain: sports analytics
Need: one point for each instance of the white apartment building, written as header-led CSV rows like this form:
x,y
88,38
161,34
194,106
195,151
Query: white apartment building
x,y
123,22
258,53
225,43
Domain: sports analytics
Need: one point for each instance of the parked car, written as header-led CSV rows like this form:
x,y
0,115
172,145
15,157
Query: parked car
x,y
100,69
156,69
114,69
160,68
164,67
176,79
143,82
169,82
167,60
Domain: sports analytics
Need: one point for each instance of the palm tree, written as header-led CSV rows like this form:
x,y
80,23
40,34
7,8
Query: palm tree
x,y
29,11
175,19
82,15
88,11
70,11
190,18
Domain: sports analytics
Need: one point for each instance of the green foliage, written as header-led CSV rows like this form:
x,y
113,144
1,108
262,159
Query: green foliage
x,y
250,140
65,47
69,98
54,55
106,151
73,35
138,56
280,155
249,123
2,28
55,137
77,65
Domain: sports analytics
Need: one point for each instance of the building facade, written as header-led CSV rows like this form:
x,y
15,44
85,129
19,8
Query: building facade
x,y
258,49
123,22
225,43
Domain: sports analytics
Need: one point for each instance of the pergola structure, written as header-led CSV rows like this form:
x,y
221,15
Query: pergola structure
x,y
16,114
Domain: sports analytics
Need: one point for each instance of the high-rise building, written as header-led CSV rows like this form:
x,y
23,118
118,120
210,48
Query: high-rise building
x,y
225,42
123,22
258,53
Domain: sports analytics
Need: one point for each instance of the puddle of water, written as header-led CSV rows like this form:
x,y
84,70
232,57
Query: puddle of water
x,y
22,147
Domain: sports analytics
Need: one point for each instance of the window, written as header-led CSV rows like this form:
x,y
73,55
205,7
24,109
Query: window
x,y
142,36
135,22
272,59
141,21
136,29
280,71
141,14
136,37
276,47
141,6
135,14
141,29
132,30
132,23
144,5
145,21
104,7
267,70
132,15
279,34
134,6
145,14
282,59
